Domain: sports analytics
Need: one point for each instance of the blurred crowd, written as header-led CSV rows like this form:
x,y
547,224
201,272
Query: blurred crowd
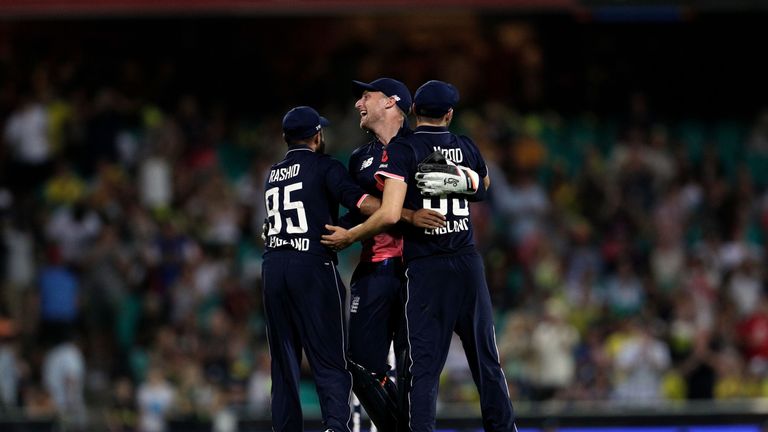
x,y
624,254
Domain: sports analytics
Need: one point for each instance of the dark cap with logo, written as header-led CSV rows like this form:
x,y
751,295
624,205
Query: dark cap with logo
x,y
435,98
390,87
303,122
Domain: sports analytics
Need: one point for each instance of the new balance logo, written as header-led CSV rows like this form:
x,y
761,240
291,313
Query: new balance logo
x,y
366,163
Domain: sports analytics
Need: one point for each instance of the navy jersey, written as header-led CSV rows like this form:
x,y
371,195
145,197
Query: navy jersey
x,y
302,194
363,164
400,161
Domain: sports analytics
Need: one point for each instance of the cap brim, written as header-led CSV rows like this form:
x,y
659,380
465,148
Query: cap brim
x,y
359,87
324,121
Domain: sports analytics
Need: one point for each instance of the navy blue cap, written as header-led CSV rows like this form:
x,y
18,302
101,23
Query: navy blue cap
x,y
303,122
390,87
435,98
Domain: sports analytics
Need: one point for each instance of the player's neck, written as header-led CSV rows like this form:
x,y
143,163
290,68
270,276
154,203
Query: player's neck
x,y
436,124
387,130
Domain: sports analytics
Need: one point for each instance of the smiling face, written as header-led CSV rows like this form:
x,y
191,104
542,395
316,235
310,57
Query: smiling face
x,y
371,106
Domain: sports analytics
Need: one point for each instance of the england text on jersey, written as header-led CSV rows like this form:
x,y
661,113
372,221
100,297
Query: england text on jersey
x,y
300,244
450,227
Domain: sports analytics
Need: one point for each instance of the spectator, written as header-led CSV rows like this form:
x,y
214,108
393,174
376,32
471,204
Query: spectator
x,y
624,291
640,364
59,297
752,333
155,399
26,135
11,365
554,340
73,229
259,386
64,378
524,204
744,288
122,415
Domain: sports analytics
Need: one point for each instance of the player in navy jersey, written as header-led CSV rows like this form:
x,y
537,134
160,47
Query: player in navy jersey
x,y
304,298
376,283
446,287
378,280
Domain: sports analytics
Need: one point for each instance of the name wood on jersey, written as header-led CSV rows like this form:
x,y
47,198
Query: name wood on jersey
x,y
300,244
281,174
452,154
450,227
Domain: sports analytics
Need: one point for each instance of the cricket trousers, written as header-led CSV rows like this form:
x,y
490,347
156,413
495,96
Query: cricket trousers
x,y
304,302
447,294
376,313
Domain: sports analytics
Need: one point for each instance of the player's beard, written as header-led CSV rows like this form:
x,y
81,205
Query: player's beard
x,y
364,126
367,123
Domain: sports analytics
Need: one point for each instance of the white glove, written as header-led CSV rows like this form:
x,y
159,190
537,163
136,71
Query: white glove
x,y
440,179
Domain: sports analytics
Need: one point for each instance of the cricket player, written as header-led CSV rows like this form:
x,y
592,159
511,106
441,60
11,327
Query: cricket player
x,y
446,291
376,283
304,298
376,310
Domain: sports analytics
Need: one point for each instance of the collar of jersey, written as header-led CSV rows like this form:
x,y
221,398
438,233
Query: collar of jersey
x,y
431,130
298,147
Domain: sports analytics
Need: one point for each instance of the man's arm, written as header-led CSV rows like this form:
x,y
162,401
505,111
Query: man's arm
x,y
369,205
387,215
422,218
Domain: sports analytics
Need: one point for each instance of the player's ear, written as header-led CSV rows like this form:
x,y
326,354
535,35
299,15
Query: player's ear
x,y
448,116
317,139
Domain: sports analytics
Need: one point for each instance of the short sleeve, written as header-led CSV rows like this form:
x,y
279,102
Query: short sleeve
x,y
396,162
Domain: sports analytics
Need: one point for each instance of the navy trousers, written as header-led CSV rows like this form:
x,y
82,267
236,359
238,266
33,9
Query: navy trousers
x,y
304,301
447,294
376,313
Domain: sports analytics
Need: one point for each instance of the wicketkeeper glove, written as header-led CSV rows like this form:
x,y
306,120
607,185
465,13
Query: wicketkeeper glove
x,y
438,176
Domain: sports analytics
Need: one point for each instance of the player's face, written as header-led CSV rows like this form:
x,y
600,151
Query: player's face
x,y
371,106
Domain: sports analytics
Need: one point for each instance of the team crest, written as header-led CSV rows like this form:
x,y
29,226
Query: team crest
x,y
366,163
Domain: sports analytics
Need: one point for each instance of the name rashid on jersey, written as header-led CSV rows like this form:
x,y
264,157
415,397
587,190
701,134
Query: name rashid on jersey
x,y
280,174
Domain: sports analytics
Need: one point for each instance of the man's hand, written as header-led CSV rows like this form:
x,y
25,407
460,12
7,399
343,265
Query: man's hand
x,y
338,239
438,176
264,229
426,218
458,180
